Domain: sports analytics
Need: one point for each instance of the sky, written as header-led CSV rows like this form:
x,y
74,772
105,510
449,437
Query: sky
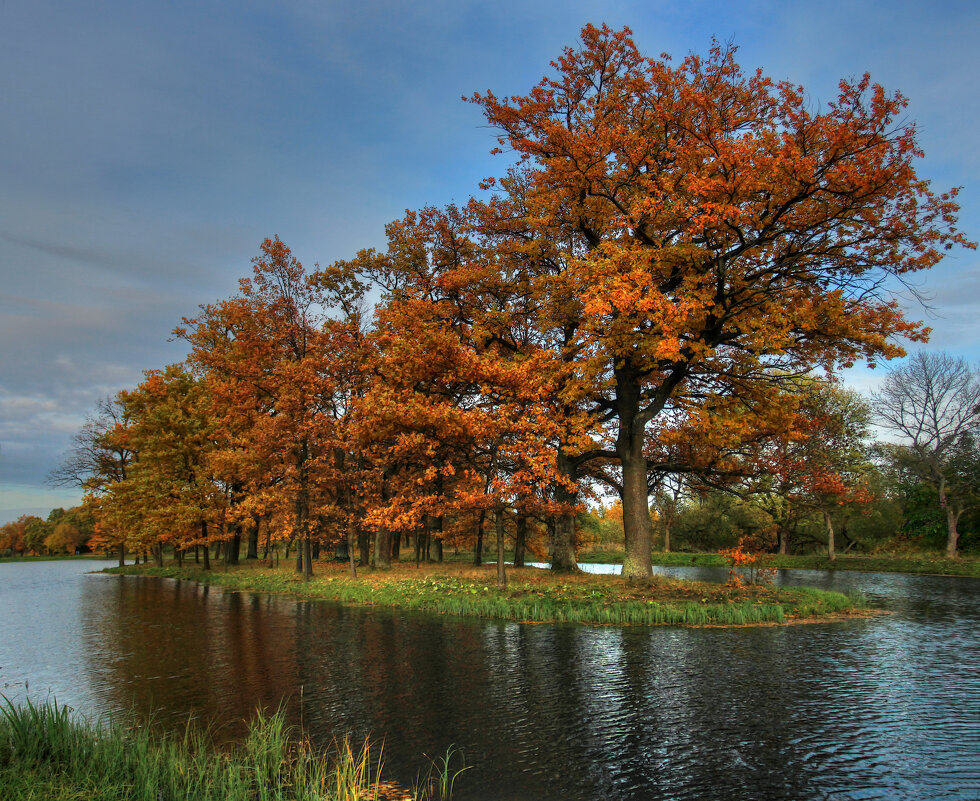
x,y
147,149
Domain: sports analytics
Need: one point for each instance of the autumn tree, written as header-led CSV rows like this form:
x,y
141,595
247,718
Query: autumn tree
x,y
452,424
716,230
932,403
65,537
13,535
819,463
444,266
271,357
173,485
99,457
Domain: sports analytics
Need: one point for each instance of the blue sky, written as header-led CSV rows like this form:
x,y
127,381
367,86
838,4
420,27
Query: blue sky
x,y
147,148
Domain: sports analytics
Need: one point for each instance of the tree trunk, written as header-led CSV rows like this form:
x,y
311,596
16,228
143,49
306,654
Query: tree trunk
x,y
666,537
382,549
478,554
783,537
637,526
364,547
253,540
267,550
350,550
952,536
308,557
122,554
952,519
158,554
501,571
561,544
299,556
831,552
520,540
233,547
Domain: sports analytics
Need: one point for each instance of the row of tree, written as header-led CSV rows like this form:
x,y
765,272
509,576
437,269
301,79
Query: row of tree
x,y
916,489
643,296
63,532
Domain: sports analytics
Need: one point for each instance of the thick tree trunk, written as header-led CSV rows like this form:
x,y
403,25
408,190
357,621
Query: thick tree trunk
x,y
952,519
637,526
382,549
952,535
233,547
561,545
831,551
158,554
299,556
364,547
520,540
396,546
501,570
253,540
439,545
122,554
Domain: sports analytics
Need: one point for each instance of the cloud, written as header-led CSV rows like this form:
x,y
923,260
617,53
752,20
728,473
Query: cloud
x,y
149,148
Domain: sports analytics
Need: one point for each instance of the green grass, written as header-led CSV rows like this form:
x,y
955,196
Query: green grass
x,y
531,595
927,563
48,753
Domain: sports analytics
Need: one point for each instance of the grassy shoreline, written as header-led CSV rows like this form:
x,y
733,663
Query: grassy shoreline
x,y
927,564
57,558
532,595
47,752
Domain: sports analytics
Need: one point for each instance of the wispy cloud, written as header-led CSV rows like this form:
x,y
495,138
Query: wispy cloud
x,y
148,148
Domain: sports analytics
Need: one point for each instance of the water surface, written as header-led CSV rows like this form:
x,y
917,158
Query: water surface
x,y
884,708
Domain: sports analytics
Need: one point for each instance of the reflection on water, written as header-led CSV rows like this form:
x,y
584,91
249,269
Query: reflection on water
x,y
884,708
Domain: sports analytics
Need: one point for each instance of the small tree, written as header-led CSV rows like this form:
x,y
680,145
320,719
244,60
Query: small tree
x,y
933,404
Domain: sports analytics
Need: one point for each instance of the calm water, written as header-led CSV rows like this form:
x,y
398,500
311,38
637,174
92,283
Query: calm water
x,y
887,708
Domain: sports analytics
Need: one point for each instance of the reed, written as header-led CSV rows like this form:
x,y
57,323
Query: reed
x,y
48,752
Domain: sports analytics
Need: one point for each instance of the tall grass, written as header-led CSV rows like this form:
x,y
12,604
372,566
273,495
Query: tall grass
x,y
46,752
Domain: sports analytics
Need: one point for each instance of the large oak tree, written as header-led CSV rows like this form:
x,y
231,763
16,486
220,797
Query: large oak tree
x,y
717,230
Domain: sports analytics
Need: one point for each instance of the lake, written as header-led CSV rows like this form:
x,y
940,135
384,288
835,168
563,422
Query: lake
x,y
880,708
